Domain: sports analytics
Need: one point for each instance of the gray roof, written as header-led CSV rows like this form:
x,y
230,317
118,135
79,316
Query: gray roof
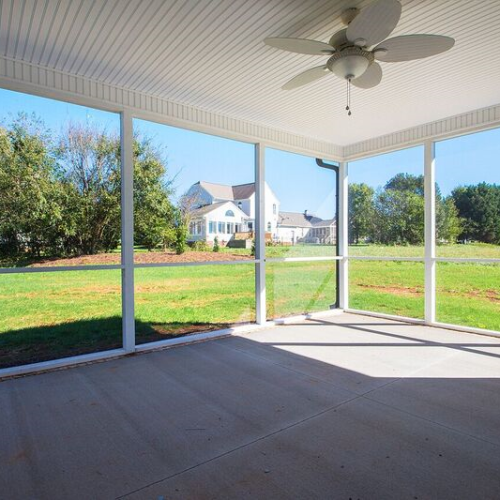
x,y
206,209
325,223
300,219
224,192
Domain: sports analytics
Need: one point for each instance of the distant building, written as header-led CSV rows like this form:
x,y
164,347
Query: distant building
x,y
228,213
296,227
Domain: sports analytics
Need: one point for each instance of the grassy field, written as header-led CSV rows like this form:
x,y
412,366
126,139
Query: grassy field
x,y
467,293
50,315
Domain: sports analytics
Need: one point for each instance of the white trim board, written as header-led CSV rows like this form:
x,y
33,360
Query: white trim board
x,y
38,80
465,123
34,79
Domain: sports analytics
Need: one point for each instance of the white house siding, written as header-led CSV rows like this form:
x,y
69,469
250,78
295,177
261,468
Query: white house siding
x,y
291,234
215,223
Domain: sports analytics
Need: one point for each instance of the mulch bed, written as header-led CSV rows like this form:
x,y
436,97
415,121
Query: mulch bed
x,y
142,258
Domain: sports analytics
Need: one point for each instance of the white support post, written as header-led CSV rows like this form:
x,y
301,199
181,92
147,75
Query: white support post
x,y
430,231
343,221
260,234
127,239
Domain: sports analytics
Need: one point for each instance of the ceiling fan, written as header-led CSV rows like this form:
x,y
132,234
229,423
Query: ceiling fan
x,y
354,50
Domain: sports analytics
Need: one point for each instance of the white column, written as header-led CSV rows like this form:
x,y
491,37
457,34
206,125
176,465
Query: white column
x,y
260,235
430,231
343,221
127,239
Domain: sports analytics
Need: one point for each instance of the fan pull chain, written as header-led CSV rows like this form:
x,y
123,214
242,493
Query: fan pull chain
x,y
348,107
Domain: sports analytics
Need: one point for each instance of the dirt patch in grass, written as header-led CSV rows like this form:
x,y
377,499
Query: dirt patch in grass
x,y
142,258
395,290
489,295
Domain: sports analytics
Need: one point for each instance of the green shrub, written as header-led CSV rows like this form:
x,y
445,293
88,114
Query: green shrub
x,y
200,246
216,247
180,239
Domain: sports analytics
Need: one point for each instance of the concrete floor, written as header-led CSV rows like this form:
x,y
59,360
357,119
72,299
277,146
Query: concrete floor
x,y
346,408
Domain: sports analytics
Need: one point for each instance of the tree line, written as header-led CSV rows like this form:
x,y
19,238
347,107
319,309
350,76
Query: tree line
x,y
394,214
60,195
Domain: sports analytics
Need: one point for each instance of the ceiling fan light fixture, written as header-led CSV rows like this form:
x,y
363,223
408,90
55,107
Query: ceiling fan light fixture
x,y
350,63
353,49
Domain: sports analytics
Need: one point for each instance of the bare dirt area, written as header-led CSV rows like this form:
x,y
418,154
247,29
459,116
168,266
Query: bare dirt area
x,y
142,258
396,290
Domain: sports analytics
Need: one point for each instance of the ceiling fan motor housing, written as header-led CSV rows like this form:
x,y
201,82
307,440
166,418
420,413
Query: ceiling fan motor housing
x,y
350,63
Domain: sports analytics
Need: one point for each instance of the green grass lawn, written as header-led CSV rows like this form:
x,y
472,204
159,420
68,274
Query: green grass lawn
x,y
467,293
387,287
51,315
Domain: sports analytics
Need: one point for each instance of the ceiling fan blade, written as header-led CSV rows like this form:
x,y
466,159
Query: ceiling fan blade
x,y
308,76
301,46
370,78
374,23
410,47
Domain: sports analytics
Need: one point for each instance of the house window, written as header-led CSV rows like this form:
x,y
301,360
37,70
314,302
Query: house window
x,y
250,226
221,227
274,208
211,228
229,213
269,227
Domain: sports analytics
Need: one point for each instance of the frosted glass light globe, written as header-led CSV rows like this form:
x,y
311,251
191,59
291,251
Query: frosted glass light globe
x,y
350,66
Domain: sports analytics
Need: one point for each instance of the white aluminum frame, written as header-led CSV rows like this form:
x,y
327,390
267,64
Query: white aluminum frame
x,y
430,231
127,266
127,232
260,234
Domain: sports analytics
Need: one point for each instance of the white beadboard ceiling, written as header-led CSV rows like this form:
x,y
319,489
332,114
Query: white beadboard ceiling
x,y
209,54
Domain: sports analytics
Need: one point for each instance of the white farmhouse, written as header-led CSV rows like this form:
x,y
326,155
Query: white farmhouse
x,y
228,213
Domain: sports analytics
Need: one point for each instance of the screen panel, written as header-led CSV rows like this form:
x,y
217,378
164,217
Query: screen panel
x,y
386,205
294,288
468,294
60,183
389,287
194,196
300,206
45,316
177,301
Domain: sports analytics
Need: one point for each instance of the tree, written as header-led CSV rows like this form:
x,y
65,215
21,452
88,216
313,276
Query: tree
x,y
30,213
448,223
90,161
62,196
216,247
181,233
408,183
154,215
361,211
479,207
399,214
399,217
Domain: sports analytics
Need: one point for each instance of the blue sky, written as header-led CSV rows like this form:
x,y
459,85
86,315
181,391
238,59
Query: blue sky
x,y
296,180
463,160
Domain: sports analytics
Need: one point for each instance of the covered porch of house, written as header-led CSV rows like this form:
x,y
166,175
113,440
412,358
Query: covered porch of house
x,y
349,365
